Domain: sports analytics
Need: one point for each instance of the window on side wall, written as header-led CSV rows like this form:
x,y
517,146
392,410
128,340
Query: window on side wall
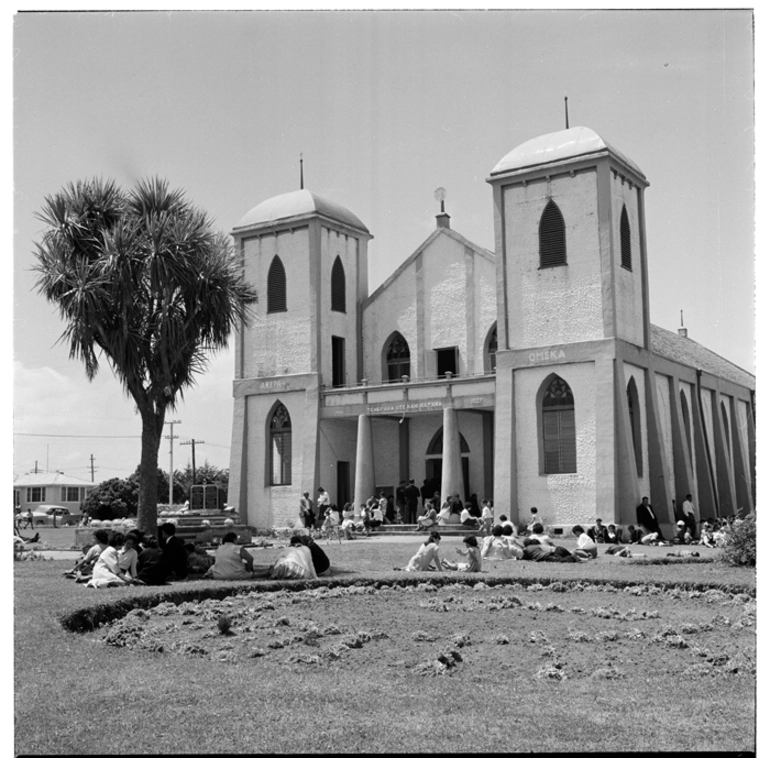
x,y
558,416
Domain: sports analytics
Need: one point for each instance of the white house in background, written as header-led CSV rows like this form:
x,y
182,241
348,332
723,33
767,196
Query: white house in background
x,y
49,488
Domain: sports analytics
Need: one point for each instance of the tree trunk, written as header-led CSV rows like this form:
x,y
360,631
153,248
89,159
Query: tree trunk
x,y
147,513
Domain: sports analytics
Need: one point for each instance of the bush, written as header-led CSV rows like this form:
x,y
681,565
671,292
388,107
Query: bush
x,y
741,546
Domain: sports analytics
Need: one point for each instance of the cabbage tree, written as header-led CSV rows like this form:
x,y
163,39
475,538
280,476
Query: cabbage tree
x,y
143,281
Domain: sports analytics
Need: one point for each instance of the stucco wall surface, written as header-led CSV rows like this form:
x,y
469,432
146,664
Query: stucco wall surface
x,y
628,284
338,443
562,303
386,462
272,505
708,417
278,343
664,408
559,498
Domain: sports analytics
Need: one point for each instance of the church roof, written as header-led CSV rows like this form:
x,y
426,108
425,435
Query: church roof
x,y
686,351
559,146
298,203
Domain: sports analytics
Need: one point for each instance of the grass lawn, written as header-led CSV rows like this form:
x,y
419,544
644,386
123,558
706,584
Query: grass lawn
x,y
528,666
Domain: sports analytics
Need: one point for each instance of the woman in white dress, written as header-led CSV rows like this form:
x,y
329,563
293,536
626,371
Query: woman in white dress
x,y
295,562
427,556
107,571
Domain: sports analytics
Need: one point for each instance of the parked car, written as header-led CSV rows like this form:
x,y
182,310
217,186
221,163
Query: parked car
x,y
44,516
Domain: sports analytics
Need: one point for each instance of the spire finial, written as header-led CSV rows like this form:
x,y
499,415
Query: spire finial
x,y
566,110
301,173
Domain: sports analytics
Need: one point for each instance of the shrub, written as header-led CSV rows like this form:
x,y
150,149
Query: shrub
x,y
224,624
741,546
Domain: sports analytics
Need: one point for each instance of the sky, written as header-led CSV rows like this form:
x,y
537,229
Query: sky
x,y
385,107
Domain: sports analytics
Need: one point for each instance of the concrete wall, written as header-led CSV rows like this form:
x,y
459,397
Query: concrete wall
x,y
565,499
278,343
443,297
628,284
563,303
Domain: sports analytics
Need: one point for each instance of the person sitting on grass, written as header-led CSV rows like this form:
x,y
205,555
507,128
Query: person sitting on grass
x,y
294,562
151,565
539,534
198,560
321,562
516,547
612,537
635,534
706,534
231,561
466,519
81,571
495,547
128,557
173,552
474,557
428,519
683,536
107,571
586,547
598,532
426,558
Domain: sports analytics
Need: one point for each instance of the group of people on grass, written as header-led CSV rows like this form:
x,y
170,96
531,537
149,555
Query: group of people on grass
x,y
119,560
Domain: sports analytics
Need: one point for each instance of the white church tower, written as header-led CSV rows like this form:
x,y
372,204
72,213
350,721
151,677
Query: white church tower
x,y
307,258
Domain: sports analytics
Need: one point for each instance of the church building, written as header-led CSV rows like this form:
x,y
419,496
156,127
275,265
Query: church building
x,y
530,375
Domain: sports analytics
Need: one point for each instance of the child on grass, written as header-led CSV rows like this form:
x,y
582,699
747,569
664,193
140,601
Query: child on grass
x,y
474,557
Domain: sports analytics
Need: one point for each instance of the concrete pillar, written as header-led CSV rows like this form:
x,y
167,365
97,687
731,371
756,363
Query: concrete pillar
x,y
451,463
363,488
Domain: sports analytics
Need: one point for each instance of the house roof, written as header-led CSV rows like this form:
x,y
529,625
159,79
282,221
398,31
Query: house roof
x,y
559,146
49,478
298,203
686,351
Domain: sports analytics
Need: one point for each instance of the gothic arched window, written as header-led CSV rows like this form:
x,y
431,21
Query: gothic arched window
x,y
558,415
553,237
280,446
276,286
625,240
338,286
397,358
490,351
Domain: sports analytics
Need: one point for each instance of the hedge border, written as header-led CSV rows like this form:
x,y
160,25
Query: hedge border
x,y
92,617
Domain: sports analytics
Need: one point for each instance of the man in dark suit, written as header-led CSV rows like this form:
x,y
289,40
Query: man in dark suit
x,y
645,515
598,533
412,494
174,553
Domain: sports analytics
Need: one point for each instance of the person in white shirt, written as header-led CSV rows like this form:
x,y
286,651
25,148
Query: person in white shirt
x,y
586,547
323,502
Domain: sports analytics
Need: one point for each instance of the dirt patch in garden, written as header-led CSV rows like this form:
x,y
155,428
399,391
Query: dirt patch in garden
x,y
541,633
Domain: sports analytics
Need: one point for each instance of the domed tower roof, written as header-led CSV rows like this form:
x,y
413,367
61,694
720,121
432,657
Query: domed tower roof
x,y
298,203
560,146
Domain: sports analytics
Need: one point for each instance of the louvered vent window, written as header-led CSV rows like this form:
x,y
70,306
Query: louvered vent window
x,y
276,286
553,238
625,240
338,286
559,449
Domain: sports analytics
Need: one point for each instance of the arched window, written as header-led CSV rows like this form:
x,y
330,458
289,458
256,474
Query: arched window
x,y
280,446
625,240
276,286
490,351
558,413
338,286
553,237
397,358
436,445
634,417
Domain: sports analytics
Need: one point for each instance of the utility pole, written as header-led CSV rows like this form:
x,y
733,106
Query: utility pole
x,y
193,443
170,438
92,467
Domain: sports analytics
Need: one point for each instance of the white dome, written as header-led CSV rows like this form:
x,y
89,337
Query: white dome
x,y
298,203
559,146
